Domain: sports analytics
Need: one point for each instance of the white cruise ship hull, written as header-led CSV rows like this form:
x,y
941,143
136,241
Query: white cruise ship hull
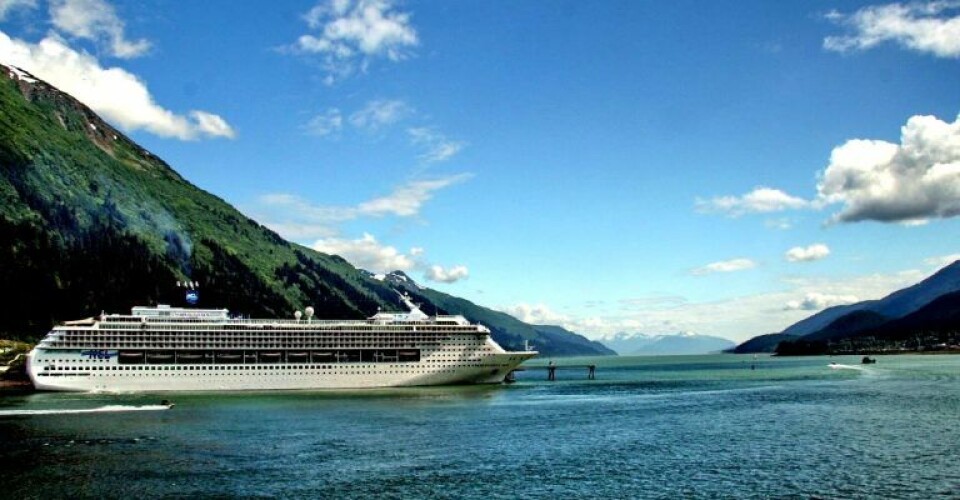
x,y
110,377
179,349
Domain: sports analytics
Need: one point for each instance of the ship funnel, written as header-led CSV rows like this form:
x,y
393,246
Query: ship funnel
x,y
415,312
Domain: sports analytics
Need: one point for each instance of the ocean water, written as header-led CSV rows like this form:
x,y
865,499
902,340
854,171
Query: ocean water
x,y
720,426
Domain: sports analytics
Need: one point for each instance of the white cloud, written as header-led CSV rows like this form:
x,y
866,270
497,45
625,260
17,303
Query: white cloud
x,y
377,114
7,6
115,94
97,21
349,34
810,253
726,266
781,223
437,147
909,182
451,275
535,314
816,301
737,318
370,254
932,27
327,123
406,200
366,253
294,217
943,260
760,200
212,125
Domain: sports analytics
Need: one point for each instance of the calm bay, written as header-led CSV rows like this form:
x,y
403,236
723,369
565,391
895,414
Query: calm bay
x,y
717,426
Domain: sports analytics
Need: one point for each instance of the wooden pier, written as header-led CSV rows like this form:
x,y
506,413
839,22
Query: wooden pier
x,y
551,370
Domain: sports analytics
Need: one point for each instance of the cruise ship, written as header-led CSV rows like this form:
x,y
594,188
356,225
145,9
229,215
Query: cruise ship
x,y
166,348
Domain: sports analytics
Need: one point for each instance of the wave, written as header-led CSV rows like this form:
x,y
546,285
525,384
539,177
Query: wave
x,y
102,409
838,366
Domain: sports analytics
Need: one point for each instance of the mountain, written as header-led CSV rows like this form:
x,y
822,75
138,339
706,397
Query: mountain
x,y
895,305
94,222
847,325
940,317
881,317
91,221
762,343
549,340
653,345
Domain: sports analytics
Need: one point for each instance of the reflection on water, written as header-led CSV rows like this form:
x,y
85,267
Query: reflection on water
x,y
729,426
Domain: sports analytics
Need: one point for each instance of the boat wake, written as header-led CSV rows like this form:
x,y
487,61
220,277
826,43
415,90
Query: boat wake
x,y
837,366
102,409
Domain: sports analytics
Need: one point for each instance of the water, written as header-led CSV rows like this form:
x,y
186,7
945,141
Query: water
x,y
668,427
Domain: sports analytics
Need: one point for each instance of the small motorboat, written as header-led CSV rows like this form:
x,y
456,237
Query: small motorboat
x,y
166,402
867,360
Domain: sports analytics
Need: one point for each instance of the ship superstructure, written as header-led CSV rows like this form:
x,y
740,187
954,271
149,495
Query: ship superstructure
x,y
167,348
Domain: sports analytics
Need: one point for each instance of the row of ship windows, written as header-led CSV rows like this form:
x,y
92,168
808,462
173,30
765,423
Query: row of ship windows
x,y
106,361
222,345
427,372
271,328
475,362
266,334
397,368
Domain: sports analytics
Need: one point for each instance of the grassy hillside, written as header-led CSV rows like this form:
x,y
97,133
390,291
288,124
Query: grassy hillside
x,y
90,221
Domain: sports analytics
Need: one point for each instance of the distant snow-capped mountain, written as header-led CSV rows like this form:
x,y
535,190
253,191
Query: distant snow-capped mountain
x,y
679,343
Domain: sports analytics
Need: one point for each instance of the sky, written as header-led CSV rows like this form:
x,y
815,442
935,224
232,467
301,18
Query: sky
x,y
723,168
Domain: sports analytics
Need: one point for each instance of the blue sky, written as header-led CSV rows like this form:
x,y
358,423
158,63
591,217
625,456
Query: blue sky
x,y
724,168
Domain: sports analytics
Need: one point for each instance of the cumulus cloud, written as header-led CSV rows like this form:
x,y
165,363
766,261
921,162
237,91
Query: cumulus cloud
x,y
810,253
117,95
7,6
350,34
725,266
328,123
590,326
534,314
932,27
96,20
451,275
817,301
910,182
437,147
760,200
366,253
369,253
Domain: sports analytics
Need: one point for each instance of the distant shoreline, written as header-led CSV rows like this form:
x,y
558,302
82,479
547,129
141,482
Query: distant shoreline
x,y
871,353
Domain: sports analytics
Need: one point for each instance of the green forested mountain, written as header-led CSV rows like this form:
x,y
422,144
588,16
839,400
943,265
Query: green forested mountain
x,y
91,221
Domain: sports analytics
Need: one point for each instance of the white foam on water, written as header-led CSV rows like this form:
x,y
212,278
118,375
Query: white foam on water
x,y
837,366
102,409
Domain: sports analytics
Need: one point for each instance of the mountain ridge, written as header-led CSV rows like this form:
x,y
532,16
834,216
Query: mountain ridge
x,y
870,316
636,343
95,222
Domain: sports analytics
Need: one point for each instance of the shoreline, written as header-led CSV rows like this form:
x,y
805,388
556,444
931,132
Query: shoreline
x,y
867,353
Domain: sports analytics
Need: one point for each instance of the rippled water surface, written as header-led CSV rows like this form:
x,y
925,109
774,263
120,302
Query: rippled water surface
x,y
693,426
